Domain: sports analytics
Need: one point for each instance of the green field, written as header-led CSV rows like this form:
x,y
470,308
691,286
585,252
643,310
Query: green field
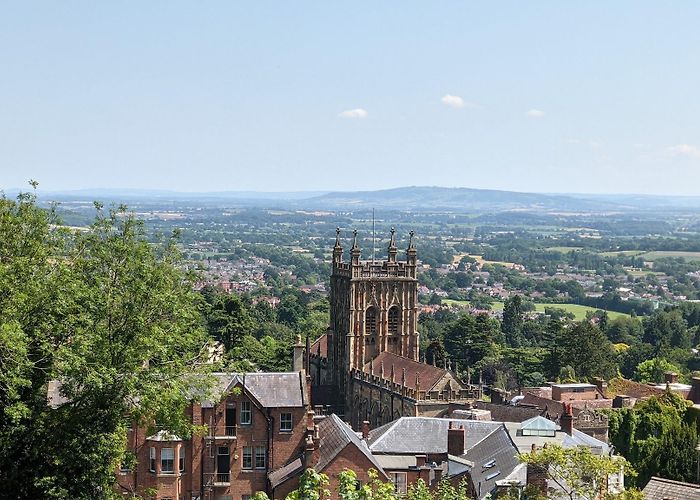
x,y
689,256
621,252
564,249
579,311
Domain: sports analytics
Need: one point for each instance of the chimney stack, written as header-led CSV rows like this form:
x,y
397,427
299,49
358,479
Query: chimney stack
x,y
601,384
537,474
567,419
455,440
671,377
365,429
298,355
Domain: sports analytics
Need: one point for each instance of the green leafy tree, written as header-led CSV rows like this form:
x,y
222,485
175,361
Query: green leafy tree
x,y
587,349
419,491
656,435
375,489
112,318
653,370
578,473
513,321
471,338
312,486
228,319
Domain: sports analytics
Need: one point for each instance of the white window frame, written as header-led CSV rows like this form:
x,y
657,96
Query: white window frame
x,y
400,485
169,468
248,456
152,459
246,410
286,424
260,452
181,459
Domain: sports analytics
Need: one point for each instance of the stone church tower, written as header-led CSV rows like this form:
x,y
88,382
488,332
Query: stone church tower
x,y
373,309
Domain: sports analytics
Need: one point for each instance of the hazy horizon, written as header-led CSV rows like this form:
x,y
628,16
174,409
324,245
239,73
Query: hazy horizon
x,y
543,97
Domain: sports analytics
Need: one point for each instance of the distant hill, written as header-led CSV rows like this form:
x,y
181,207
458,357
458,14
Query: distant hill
x,y
413,198
441,198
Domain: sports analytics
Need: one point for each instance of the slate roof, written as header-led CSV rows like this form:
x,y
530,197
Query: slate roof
x,y
271,390
664,489
321,342
425,435
508,413
280,475
494,458
429,375
577,438
335,435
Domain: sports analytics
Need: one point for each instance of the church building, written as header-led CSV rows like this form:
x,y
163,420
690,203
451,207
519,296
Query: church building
x,y
366,366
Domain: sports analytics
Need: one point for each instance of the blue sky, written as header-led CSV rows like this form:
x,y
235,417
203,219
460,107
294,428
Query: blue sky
x,y
202,96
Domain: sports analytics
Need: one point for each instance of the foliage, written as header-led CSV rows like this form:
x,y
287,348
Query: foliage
x,y
513,321
587,349
312,486
115,321
656,436
471,338
653,370
577,471
374,489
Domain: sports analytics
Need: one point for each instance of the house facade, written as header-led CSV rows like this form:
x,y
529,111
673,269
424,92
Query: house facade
x,y
259,423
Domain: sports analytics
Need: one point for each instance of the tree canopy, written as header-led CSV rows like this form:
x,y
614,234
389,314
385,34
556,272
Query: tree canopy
x,y
109,316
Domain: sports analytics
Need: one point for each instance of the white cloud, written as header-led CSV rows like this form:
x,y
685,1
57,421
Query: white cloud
x,y
535,113
453,101
354,113
685,150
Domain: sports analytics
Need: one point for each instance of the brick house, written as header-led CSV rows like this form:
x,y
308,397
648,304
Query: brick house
x,y
260,423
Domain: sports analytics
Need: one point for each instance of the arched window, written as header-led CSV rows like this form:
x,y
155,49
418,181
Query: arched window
x,y
393,320
371,321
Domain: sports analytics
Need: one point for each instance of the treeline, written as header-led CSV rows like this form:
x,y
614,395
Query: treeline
x,y
522,350
258,337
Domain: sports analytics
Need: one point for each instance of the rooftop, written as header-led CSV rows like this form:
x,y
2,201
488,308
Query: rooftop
x,y
335,436
425,435
286,390
659,488
428,375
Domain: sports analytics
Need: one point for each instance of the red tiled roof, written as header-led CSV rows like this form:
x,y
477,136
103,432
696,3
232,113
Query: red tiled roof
x,y
429,375
321,342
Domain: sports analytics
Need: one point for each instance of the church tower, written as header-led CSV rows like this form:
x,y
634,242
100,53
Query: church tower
x,y
373,308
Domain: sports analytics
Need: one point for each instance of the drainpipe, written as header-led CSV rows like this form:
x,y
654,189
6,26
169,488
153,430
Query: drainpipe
x,y
270,441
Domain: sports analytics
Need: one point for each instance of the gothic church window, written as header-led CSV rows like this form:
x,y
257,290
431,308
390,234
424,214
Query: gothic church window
x,y
371,321
393,320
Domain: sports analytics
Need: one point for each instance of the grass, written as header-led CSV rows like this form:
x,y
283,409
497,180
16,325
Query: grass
x,y
655,255
689,256
563,249
578,310
621,252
